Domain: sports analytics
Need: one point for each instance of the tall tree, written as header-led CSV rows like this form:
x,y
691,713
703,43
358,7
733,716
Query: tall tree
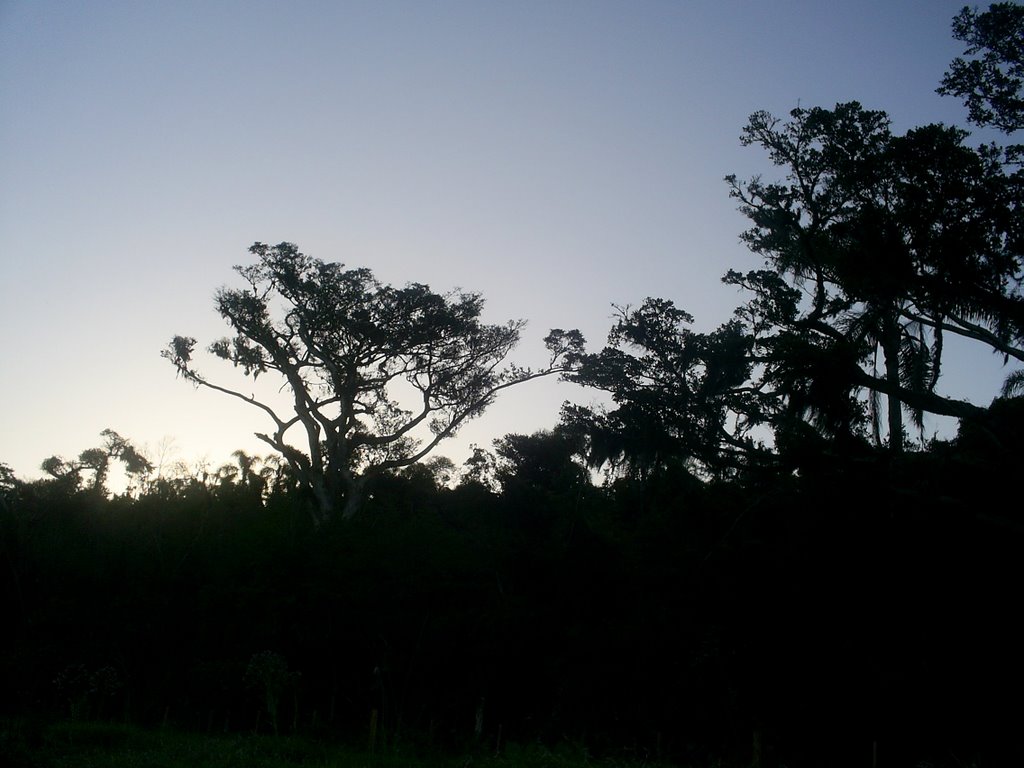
x,y
989,79
344,346
892,241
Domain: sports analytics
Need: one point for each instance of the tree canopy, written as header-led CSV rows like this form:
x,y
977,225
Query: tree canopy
x,y
345,344
891,242
97,461
877,247
990,81
678,395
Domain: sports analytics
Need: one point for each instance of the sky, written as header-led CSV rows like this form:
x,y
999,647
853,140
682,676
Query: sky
x,y
557,157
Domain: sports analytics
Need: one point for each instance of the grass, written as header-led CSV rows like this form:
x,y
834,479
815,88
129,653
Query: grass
x,y
25,744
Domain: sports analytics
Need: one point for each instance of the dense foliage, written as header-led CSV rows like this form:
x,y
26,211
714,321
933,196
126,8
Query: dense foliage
x,y
868,602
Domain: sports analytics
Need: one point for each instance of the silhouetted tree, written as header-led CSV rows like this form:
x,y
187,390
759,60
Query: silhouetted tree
x,y
97,461
679,395
890,242
479,469
544,461
344,343
991,83
439,471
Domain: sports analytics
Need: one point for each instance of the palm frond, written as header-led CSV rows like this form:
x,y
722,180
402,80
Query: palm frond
x,y
915,367
1013,385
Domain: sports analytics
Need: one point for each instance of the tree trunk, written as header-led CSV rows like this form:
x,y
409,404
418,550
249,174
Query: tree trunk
x,y
891,353
355,494
323,507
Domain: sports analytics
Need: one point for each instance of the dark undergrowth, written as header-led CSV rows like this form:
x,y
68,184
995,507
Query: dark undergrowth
x,y
35,744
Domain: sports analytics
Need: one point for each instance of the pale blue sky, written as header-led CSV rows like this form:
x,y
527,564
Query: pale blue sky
x,y
555,156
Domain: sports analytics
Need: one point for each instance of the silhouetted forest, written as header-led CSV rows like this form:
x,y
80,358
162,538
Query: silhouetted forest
x,y
750,556
872,600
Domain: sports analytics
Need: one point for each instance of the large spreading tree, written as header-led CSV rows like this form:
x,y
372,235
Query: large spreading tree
x,y
346,346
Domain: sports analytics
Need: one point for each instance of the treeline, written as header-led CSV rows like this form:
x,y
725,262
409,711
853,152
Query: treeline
x,y
868,605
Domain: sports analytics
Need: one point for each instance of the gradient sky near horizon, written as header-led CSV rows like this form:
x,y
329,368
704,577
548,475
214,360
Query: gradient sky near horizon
x,y
557,157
